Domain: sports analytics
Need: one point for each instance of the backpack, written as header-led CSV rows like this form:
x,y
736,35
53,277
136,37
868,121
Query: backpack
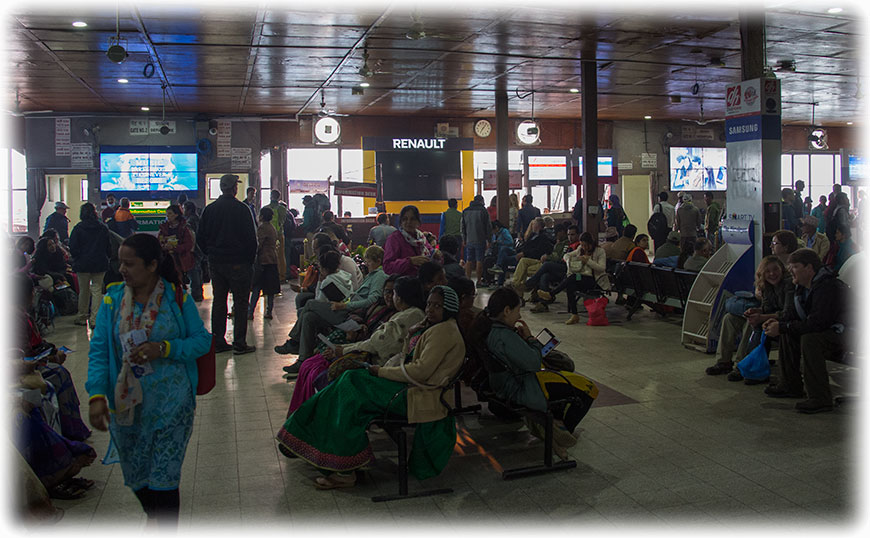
x,y
66,301
44,311
657,225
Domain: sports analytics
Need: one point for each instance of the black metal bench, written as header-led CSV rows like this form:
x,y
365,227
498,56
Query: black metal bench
x,y
652,285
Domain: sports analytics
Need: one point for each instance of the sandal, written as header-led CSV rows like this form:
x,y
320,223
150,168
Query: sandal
x,y
82,483
66,492
335,481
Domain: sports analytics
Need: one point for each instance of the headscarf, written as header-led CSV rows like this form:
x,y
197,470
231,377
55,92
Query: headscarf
x,y
451,300
614,200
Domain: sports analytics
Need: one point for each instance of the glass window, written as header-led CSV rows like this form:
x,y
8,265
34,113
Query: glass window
x,y
352,170
84,187
19,211
312,164
13,162
800,169
821,175
786,170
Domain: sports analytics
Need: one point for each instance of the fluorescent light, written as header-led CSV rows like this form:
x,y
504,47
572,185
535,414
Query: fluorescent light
x,y
574,90
80,24
647,117
123,81
145,109
834,10
849,123
364,84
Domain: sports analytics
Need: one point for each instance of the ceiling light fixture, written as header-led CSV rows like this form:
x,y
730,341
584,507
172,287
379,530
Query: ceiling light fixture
x,y
364,84
80,24
835,10
123,81
574,90
145,109
647,117
849,122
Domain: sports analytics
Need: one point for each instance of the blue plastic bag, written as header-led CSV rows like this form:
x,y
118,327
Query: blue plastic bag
x,y
755,364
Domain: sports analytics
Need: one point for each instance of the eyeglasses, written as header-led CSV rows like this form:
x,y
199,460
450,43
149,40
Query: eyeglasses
x,y
774,243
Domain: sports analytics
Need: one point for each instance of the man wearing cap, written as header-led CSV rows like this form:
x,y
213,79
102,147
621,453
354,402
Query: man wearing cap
x,y
59,222
227,236
819,242
610,237
670,248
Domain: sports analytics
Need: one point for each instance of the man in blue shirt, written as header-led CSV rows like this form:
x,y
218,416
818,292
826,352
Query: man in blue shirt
x,y
58,221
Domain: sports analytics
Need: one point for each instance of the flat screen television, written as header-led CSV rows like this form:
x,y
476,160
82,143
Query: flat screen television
x,y
698,169
605,165
544,167
148,170
857,168
420,175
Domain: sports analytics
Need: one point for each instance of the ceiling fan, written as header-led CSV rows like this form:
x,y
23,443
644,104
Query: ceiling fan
x,y
418,30
324,112
701,120
367,72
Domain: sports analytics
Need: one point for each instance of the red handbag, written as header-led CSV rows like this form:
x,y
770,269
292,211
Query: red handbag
x,y
597,314
205,365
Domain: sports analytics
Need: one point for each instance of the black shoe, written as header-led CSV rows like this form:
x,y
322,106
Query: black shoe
x,y
813,406
243,349
778,392
756,381
720,368
220,347
293,370
290,347
734,375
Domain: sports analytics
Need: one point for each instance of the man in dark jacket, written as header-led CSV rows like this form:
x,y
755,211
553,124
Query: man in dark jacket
x,y
476,229
527,214
227,236
90,249
59,222
811,331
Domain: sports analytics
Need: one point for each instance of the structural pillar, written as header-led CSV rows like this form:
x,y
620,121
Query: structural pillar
x,y
502,132
589,121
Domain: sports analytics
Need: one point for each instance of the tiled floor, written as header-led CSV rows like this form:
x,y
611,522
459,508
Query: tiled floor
x,y
693,450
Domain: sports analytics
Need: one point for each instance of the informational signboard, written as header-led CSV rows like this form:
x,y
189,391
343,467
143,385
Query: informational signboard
x,y
648,160
82,155
139,128
241,158
61,137
351,188
305,186
224,139
155,125
490,179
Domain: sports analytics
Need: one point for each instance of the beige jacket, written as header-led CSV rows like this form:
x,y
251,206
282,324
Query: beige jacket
x,y
387,340
267,239
437,357
595,267
821,244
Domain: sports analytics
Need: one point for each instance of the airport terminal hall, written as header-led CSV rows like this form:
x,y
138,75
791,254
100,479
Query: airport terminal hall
x,y
294,265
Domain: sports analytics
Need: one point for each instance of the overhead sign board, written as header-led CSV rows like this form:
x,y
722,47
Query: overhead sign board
x,y
385,143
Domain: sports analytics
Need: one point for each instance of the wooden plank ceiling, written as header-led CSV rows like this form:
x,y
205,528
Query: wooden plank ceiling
x,y
279,60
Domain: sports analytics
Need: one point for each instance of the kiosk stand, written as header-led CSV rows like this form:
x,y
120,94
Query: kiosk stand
x,y
729,270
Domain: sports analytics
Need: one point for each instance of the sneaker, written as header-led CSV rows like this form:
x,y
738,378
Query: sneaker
x,y
220,347
496,270
292,370
812,406
735,375
545,295
775,391
540,307
573,320
290,347
243,349
720,368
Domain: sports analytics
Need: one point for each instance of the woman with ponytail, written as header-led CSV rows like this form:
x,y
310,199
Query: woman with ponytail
x,y
520,379
142,373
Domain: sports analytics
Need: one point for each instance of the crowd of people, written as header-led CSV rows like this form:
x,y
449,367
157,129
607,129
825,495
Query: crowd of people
x,y
384,333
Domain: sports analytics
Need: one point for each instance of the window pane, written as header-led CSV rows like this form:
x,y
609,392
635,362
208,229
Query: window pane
x,y
352,165
801,169
312,164
822,174
266,171
786,170
84,190
19,211
837,168
19,171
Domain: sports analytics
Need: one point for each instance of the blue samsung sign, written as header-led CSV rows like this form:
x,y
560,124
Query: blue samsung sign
x,y
753,128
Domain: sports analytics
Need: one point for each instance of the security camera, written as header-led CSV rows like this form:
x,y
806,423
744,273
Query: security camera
x,y
164,129
116,53
212,131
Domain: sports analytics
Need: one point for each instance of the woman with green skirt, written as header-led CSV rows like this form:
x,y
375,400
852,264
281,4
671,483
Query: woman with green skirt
x,y
329,429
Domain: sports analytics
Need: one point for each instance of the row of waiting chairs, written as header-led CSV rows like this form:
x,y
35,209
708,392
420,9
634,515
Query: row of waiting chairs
x,y
652,285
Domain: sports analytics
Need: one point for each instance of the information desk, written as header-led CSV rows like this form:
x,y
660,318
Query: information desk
x,y
149,214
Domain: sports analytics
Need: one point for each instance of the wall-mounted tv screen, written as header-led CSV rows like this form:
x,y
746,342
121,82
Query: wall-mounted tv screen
x,y
605,165
698,169
857,168
148,169
544,167
420,175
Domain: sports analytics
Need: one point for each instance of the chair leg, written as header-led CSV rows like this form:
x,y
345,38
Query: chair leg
x,y
548,465
401,439
457,401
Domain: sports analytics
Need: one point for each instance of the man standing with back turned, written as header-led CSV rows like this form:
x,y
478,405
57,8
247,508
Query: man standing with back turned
x,y
227,236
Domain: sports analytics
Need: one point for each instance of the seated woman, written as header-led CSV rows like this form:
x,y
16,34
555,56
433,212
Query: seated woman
x,y
774,288
537,244
322,313
503,250
329,429
638,253
431,274
586,271
510,342
842,249
406,296
49,260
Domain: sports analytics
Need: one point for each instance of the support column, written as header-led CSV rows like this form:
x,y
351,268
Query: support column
x,y
589,117
502,132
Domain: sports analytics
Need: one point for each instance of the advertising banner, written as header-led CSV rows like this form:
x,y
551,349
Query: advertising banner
x,y
350,188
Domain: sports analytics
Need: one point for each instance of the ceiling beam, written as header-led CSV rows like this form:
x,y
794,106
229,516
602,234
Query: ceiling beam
x,y
152,52
256,39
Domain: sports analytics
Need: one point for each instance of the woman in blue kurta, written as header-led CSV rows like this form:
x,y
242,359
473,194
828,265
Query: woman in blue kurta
x,y
143,391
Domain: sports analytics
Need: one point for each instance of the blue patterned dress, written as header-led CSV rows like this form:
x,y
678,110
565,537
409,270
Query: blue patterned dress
x,y
152,448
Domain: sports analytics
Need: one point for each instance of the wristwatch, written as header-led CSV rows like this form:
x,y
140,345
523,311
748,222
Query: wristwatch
x,y
163,348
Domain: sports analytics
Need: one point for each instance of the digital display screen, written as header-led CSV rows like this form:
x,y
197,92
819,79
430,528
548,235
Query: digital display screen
x,y
550,168
857,168
146,170
420,175
605,166
698,169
